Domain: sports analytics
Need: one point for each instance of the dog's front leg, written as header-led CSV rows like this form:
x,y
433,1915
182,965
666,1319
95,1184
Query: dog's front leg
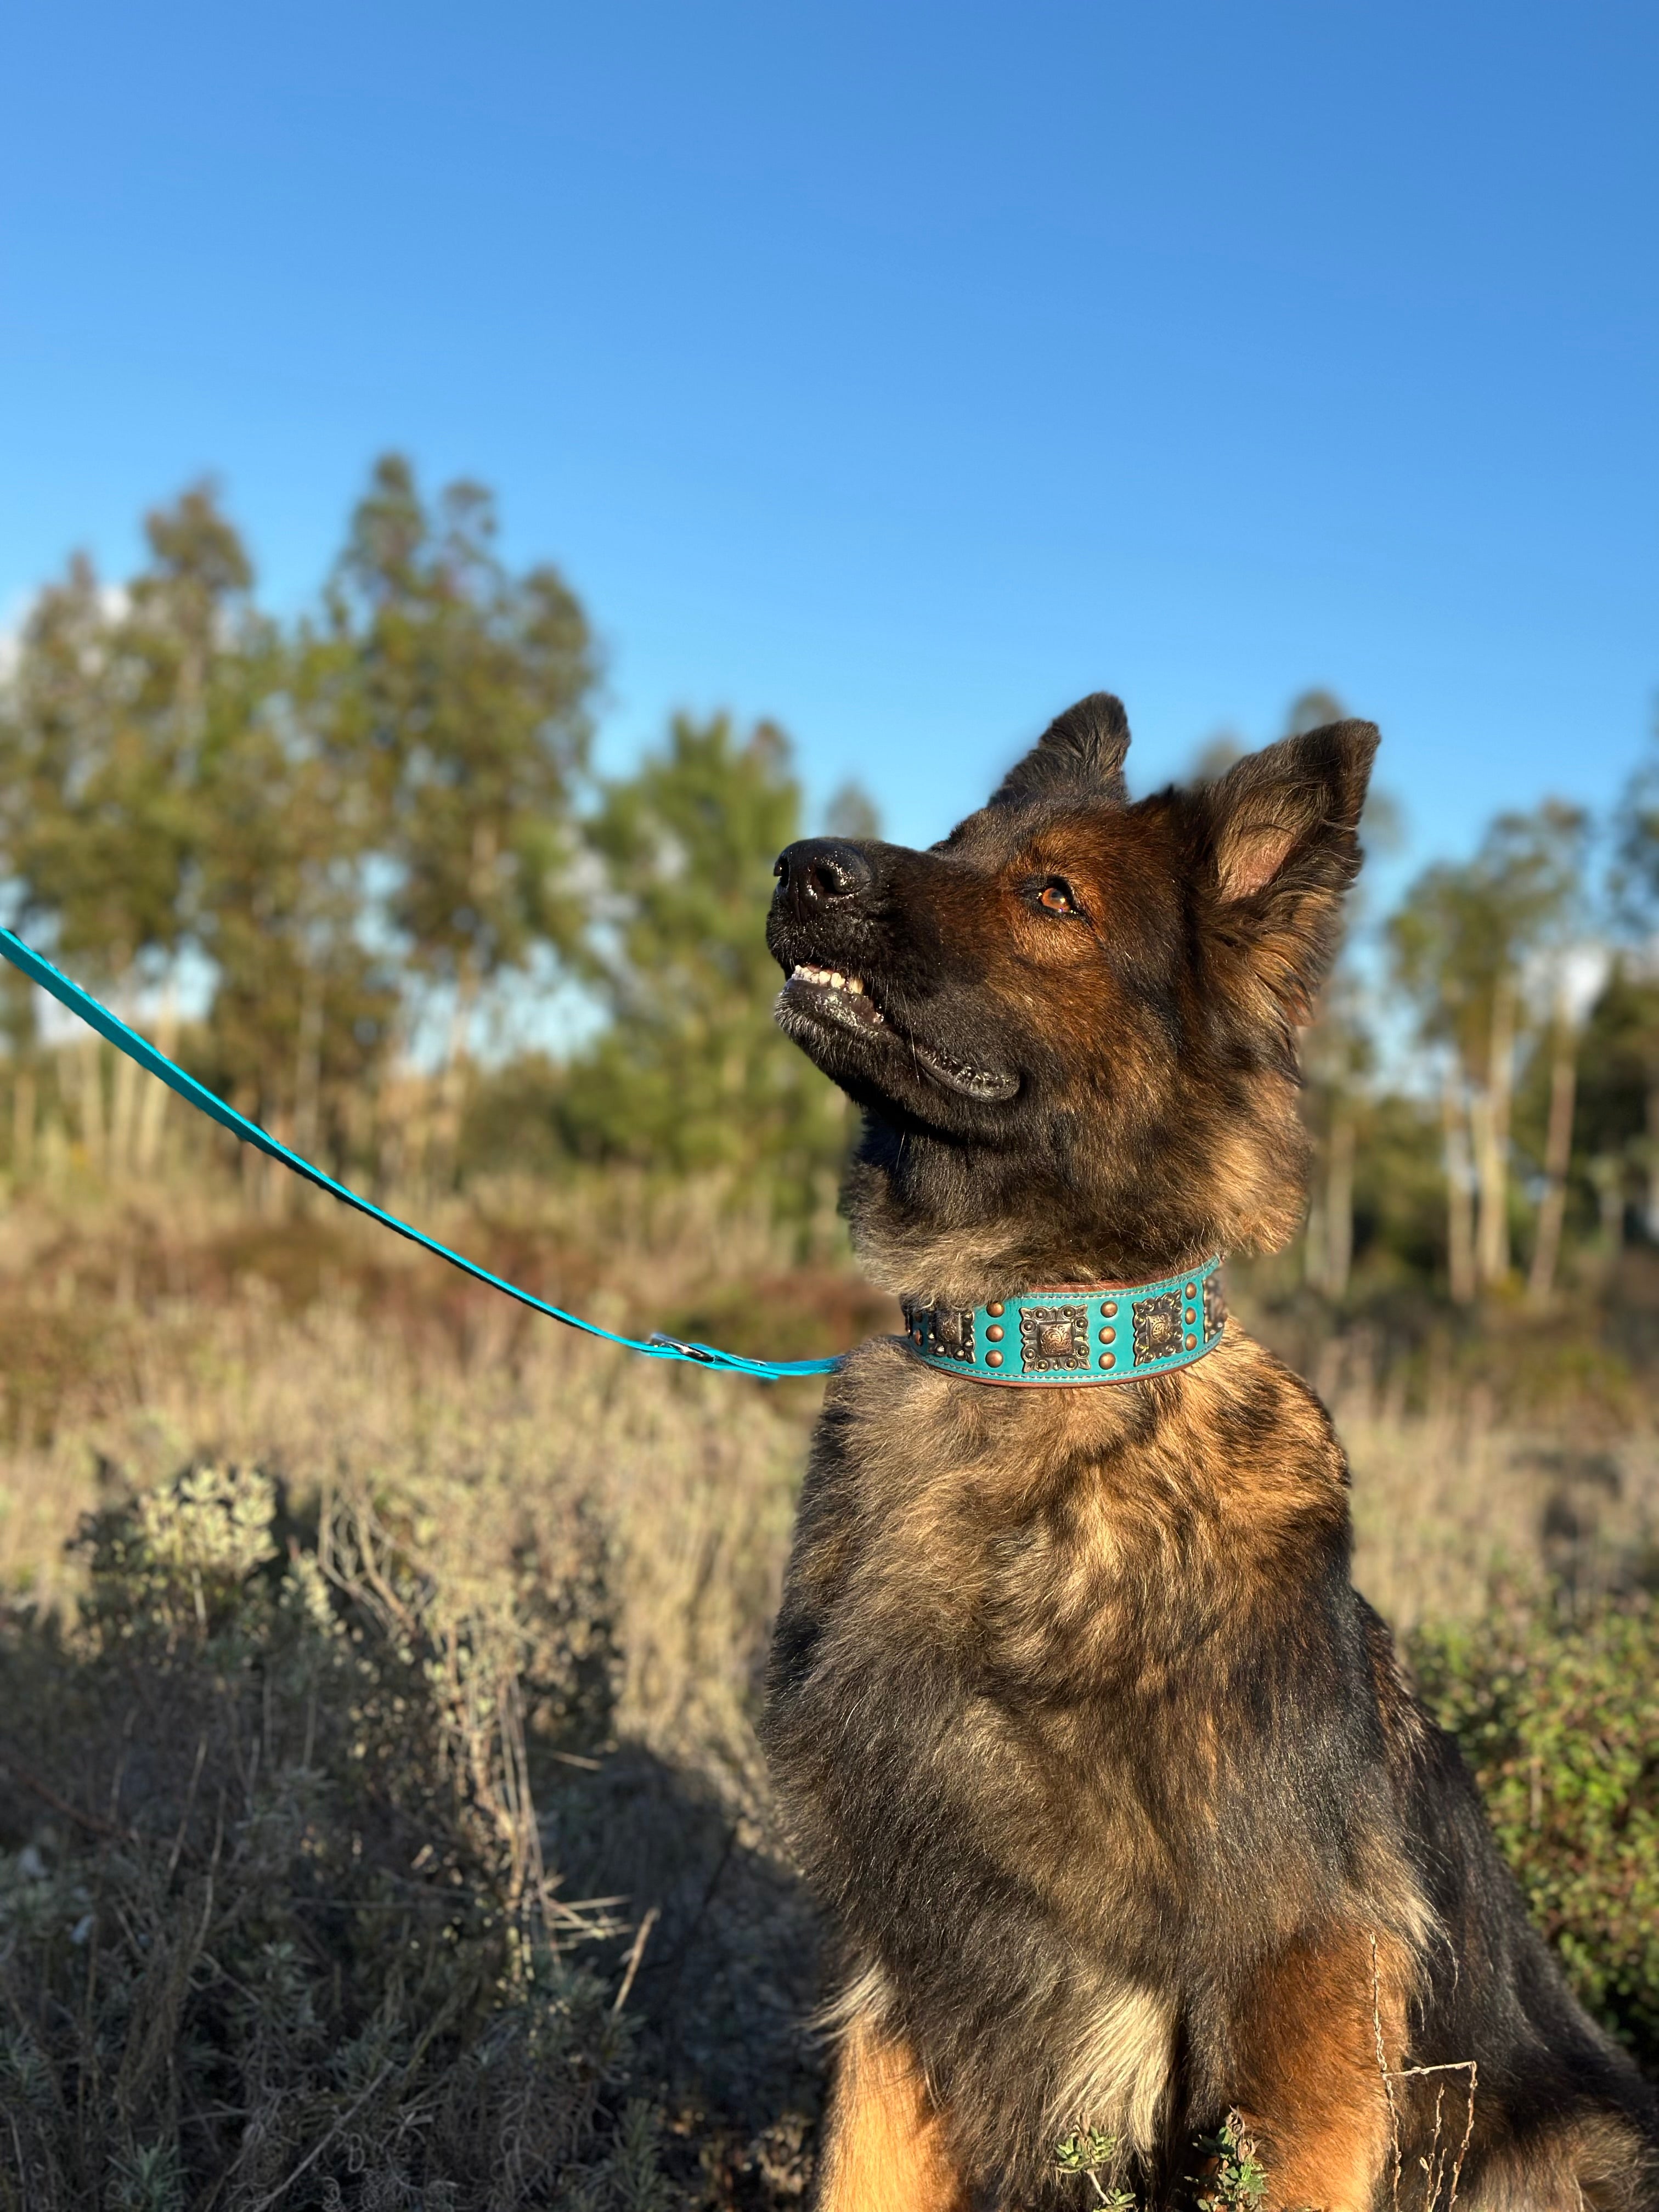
x,y
884,2148
1315,2094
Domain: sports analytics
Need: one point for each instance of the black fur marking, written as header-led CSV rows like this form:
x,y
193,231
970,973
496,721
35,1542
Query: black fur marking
x,y
1081,750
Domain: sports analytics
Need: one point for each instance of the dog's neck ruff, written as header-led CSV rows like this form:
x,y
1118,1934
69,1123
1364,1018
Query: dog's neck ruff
x,y
1076,1333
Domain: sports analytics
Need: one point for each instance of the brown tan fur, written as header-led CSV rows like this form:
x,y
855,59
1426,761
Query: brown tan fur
x,y
886,2146
1313,2088
1106,1776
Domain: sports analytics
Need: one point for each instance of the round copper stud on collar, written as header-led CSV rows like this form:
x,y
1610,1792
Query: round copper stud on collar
x,y
1110,1308
1108,1359
994,1359
1192,1344
995,1311
994,1332
1192,1289
1108,1336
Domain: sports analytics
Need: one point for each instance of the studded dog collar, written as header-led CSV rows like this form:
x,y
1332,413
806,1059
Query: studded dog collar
x,y
1088,1333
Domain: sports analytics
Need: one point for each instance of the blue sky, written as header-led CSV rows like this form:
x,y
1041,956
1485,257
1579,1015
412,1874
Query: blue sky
x,y
899,371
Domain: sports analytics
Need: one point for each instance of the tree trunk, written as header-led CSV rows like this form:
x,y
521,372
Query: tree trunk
x,y
1608,1174
152,1111
249,1158
1557,1156
1339,1205
123,1114
22,1125
450,1100
1653,1161
1493,1140
92,1103
1315,1244
308,1068
1459,1222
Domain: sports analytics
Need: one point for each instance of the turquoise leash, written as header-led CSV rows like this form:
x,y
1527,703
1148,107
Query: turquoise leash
x,y
86,1008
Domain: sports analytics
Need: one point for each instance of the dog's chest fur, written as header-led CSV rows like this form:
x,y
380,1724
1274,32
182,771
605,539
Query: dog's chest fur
x,y
1043,1660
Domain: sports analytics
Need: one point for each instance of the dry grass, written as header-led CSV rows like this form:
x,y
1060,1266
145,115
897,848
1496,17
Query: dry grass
x,y
691,1477
1448,1504
502,1454
146,1338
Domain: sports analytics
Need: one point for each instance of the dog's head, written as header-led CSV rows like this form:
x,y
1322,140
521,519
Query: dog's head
x,y
1071,1025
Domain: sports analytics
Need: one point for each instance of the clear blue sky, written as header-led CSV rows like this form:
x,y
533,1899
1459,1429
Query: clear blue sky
x,y
900,371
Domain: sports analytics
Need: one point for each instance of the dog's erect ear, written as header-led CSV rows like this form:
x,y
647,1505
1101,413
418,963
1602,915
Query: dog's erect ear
x,y
1079,755
1283,834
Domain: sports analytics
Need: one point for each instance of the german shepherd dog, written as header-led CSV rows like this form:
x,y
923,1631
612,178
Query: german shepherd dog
x,y
1106,1775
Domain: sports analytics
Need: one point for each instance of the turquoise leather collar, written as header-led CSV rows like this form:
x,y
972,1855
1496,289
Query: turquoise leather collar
x,y
1094,1333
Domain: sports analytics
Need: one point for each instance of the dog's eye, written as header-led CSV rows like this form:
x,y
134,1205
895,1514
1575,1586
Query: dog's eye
x,y
1056,896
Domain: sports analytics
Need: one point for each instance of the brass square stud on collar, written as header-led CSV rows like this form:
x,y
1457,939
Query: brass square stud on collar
x,y
952,1332
1157,1328
1053,1337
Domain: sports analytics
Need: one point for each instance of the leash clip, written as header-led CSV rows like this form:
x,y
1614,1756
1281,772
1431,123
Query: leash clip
x,y
703,1356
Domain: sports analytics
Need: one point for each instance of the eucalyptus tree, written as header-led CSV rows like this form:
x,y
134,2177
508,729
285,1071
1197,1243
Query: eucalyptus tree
x,y
690,1072
305,998
115,698
462,689
1339,1056
1464,942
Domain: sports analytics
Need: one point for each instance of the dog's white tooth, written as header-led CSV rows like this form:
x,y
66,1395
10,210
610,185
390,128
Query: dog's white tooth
x,y
836,978
855,987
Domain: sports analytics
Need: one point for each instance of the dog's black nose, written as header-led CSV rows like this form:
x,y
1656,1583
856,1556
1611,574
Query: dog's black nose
x,y
819,872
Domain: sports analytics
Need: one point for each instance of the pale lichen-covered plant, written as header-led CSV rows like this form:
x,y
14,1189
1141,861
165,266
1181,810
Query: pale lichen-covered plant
x,y
280,1933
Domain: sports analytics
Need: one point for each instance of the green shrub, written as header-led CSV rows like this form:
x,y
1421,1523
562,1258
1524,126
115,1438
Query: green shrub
x,y
1560,1723
275,1929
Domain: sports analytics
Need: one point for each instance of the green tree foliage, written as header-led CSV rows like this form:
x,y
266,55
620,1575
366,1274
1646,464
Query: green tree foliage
x,y
339,815
1312,709
1339,1058
1398,1197
117,698
688,1074
304,1008
354,827
1634,877
1617,1137
852,813
461,690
